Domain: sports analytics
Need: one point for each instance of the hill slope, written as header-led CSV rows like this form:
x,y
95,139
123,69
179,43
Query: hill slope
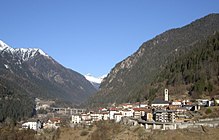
x,y
129,77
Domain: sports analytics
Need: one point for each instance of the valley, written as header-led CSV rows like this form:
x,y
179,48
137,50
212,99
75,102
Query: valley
x,y
167,89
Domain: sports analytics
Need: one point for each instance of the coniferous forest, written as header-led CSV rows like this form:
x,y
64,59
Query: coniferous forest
x,y
198,69
15,106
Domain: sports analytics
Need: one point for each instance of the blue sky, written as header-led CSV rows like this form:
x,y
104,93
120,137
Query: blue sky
x,y
91,36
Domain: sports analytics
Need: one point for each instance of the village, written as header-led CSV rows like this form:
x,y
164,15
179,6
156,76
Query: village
x,y
160,114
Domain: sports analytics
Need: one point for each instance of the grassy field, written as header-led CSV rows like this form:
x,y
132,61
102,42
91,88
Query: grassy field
x,y
113,131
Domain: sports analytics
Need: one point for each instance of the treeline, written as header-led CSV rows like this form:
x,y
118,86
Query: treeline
x,y
15,106
198,68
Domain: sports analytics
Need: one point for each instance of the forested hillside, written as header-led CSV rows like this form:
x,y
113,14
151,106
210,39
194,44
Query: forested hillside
x,y
15,106
197,71
134,78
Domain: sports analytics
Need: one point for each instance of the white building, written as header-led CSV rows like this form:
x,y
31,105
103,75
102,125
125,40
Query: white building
x,y
76,119
118,117
30,125
96,116
112,112
85,117
165,116
143,105
202,102
127,113
177,103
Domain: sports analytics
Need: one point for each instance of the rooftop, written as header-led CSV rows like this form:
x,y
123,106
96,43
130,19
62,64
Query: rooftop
x,y
159,101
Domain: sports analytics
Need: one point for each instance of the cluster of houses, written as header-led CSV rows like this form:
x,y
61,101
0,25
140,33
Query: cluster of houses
x,y
38,125
41,121
160,110
114,113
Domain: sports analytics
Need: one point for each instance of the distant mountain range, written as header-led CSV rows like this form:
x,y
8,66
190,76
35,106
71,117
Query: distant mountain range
x,y
95,81
34,73
134,79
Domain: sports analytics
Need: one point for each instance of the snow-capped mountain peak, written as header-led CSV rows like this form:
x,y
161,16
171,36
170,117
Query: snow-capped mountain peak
x,y
95,81
91,78
24,53
27,53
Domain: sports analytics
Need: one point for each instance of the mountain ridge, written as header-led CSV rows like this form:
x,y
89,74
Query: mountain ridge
x,y
23,53
39,75
129,76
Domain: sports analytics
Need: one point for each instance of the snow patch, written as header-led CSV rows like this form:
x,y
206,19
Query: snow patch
x,y
81,88
6,66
